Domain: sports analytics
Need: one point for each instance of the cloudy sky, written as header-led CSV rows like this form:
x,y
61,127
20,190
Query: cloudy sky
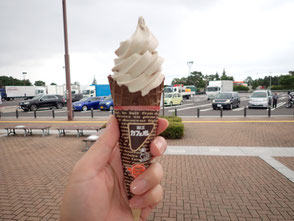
x,y
246,37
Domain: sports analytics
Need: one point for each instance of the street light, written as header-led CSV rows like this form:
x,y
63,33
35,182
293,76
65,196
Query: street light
x,y
24,74
190,63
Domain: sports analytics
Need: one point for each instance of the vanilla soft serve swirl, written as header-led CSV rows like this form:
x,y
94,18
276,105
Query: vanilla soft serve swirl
x,y
138,65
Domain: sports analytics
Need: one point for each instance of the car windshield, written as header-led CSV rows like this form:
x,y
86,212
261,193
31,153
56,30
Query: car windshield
x,y
86,92
168,95
168,90
108,98
84,99
37,97
224,96
212,89
259,94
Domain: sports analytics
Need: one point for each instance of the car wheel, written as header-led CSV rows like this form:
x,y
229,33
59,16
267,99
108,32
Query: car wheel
x,y
238,105
181,103
33,107
231,107
171,104
84,108
59,106
111,108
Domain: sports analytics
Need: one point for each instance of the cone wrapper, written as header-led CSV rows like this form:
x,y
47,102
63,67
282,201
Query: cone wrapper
x,y
138,126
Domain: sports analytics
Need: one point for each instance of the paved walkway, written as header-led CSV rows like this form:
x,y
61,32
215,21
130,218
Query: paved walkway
x,y
218,171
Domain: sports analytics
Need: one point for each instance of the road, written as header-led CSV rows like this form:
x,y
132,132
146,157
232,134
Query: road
x,y
188,108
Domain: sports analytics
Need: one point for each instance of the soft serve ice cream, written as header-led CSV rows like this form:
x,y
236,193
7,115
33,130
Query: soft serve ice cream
x,y
138,65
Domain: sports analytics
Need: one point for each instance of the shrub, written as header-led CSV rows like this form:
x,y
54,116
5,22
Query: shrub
x,y
172,118
240,88
175,129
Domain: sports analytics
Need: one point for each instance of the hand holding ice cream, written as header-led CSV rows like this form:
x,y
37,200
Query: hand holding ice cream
x,y
96,190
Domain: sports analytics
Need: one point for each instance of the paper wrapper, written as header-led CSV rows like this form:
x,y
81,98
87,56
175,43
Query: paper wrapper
x,y
137,118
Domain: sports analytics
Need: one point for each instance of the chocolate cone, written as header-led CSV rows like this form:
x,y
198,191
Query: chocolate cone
x,y
123,97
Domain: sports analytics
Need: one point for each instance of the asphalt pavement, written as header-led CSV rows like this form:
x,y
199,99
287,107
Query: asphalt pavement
x,y
198,105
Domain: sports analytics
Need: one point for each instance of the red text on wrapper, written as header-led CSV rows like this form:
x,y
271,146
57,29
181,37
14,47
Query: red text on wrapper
x,y
136,169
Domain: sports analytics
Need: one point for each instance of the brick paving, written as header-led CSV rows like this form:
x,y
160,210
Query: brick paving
x,y
287,161
34,171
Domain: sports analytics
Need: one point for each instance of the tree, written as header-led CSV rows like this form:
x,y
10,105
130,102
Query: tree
x,y
39,83
53,83
287,81
182,80
10,81
249,81
225,77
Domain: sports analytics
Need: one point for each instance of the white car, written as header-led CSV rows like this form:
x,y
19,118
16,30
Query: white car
x,y
260,99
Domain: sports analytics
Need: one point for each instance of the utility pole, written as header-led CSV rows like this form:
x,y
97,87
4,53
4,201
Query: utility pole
x,y
67,68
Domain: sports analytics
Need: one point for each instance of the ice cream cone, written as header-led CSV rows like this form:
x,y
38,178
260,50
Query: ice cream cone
x,y
136,87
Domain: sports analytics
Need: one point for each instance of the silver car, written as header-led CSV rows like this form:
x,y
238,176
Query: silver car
x,y
260,99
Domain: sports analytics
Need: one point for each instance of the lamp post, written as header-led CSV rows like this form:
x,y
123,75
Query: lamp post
x,y
67,69
270,80
190,63
24,75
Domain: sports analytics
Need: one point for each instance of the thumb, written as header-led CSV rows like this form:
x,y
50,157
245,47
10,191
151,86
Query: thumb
x,y
99,154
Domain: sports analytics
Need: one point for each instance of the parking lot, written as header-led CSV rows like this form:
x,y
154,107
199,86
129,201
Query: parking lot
x,y
189,108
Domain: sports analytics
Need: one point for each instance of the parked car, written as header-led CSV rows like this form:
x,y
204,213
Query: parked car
x,y
43,101
172,99
87,103
106,104
226,100
260,99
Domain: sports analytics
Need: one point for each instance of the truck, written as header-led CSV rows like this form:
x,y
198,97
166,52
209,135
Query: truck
x,y
185,91
216,87
26,92
95,90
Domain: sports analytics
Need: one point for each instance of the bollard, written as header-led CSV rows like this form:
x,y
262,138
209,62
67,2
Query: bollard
x,y
16,113
92,113
73,113
112,111
198,112
35,114
53,114
269,112
176,112
245,110
221,111
0,114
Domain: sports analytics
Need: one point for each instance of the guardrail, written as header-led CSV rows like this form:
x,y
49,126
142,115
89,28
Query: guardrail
x,y
197,114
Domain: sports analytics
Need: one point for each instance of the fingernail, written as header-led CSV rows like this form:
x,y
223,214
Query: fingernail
x,y
136,203
138,186
159,145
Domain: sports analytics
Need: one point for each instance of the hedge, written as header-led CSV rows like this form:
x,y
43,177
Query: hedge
x,y
172,118
175,129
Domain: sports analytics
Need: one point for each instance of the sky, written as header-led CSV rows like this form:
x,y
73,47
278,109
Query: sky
x,y
244,37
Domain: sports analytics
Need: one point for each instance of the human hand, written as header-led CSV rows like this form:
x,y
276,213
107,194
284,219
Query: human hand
x,y
96,187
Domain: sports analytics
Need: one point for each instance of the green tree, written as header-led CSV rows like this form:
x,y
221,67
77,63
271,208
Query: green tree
x,y
225,77
249,81
53,83
287,81
182,80
10,81
39,83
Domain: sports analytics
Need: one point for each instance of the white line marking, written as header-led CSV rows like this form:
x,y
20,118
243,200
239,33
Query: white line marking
x,y
208,109
239,109
194,107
